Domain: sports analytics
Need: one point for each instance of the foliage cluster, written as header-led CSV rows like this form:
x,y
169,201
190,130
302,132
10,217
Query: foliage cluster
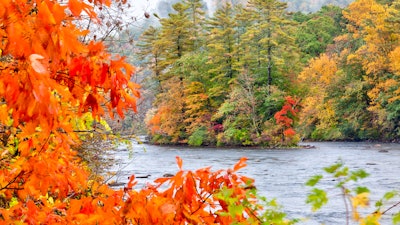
x,y
221,80
53,86
234,73
355,197
353,87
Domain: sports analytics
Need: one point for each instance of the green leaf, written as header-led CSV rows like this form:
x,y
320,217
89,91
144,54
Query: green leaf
x,y
342,173
314,180
235,210
396,218
333,168
358,174
317,199
389,195
360,190
13,202
104,123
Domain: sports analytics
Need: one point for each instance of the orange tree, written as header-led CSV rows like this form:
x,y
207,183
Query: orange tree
x,y
49,78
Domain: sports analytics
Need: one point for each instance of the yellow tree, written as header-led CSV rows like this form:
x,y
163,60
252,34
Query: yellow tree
x,y
374,24
317,112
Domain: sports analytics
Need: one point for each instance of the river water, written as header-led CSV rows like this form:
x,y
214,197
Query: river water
x,y
279,174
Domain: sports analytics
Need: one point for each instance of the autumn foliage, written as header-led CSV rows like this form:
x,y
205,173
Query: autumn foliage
x,y
49,78
285,117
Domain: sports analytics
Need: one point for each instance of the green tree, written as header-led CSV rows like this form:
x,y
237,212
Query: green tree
x,y
151,52
361,102
268,43
175,35
197,18
221,51
317,30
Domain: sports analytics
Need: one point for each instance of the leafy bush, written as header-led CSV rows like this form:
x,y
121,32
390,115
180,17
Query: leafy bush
x,y
354,196
198,137
237,136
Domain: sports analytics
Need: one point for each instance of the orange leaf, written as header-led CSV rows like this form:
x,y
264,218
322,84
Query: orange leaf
x,y
131,182
167,208
45,15
240,164
179,162
76,7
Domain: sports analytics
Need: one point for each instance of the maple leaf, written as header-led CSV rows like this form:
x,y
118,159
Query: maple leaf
x,y
36,64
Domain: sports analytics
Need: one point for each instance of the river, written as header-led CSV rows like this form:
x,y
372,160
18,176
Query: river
x,y
279,174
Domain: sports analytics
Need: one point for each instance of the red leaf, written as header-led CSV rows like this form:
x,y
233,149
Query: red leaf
x,y
91,102
289,132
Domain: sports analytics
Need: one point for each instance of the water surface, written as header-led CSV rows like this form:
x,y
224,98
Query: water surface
x,y
279,174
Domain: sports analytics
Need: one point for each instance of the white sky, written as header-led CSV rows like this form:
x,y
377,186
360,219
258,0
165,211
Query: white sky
x,y
144,5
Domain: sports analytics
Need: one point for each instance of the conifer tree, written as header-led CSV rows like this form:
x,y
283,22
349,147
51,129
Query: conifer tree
x,y
197,18
151,51
267,41
175,36
176,40
221,49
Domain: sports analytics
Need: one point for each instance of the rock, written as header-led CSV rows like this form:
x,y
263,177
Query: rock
x,y
307,146
116,184
168,175
143,176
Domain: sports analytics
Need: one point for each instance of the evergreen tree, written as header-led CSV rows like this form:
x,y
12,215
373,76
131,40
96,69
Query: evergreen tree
x,y
221,50
267,41
317,30
151,51
197,18
175,35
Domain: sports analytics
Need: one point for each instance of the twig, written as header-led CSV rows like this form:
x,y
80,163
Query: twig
x,y
12,181
345,205
391,207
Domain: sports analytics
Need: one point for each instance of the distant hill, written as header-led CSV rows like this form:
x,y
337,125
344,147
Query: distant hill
x,y
313,5
164,6
293,5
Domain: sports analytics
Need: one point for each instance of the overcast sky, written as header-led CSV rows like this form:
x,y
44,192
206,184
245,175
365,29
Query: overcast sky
x,y
143,5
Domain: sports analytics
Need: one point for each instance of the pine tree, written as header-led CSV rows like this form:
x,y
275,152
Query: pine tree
x,y
151,51
267,41
197,18
221,46
177,41
175,35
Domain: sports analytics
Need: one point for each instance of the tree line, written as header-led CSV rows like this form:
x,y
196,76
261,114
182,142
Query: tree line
x,y
257,74
242,76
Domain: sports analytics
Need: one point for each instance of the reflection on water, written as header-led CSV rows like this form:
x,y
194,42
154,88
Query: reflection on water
x,y
279,174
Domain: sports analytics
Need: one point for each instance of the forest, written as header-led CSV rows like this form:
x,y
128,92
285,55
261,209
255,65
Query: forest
x,y
250,75
260,75
164,6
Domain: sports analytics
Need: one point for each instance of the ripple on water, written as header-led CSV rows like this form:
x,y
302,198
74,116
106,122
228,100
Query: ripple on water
x,y
279,174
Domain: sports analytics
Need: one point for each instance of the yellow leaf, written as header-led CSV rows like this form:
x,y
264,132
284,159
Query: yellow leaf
x,y
360,200
372,219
